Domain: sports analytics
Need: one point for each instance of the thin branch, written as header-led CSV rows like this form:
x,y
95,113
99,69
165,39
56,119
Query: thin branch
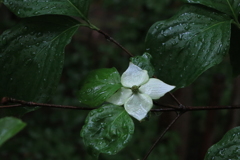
x,y
176,100
160,137
165,108
21,103
195,108
165,105
115,42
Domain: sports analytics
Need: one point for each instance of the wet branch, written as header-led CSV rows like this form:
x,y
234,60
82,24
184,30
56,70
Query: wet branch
x,y
115,42
163,107
21,103
163,133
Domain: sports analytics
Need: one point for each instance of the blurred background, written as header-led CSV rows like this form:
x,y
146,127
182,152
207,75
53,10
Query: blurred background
x,y
55,133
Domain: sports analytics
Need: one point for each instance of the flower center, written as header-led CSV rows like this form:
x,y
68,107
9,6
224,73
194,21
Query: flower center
x,y
135,89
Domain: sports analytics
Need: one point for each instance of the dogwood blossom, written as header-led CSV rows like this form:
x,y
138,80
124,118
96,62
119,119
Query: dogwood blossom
x,y
138,91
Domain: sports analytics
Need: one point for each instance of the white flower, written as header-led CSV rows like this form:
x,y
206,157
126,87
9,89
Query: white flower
x,y
138,91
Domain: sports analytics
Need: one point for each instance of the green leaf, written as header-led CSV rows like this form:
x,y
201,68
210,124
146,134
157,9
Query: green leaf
x,y
235,50
9,126
107,129
144,62
31,58
188,44
29,8
230,7
99,86
227,148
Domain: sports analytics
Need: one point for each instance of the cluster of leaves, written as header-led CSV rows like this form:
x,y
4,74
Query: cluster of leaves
x,y
32,52
182,47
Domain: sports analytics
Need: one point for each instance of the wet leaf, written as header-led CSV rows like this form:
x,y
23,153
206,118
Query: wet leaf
x,y
230,7
235,50
29,8
188,44
31,58
107,129
9,127
144,62
227,148
99,85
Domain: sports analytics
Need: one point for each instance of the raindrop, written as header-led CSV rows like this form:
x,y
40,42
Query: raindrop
x,y
124,125
187,27
100,110
36,13
180,36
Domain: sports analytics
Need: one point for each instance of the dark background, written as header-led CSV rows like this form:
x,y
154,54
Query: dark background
x,y
54,133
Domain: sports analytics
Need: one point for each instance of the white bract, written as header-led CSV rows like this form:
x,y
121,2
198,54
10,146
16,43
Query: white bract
x,y
138,91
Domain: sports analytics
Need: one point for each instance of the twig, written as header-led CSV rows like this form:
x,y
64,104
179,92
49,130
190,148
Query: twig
x,y
115,42
160,137
176,100
170,108
165,105
195,108
21,103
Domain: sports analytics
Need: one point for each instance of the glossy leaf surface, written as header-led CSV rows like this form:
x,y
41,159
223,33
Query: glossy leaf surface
x,y
9,126
230,7
235,50
107,129
227,148
29,8
99,85
187,44
144,62
31,58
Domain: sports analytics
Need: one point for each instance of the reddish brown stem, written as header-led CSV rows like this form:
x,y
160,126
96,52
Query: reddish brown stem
x,y
6,100
115,42
160,137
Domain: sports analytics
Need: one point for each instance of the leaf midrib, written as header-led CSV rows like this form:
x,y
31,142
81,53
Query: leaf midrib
x,y
81,14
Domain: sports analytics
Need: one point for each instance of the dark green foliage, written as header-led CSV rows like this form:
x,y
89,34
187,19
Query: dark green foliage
x,y
144,62
98,86
9,126
29,8
230,7
32,57
203,31
188,44
107,129
227,148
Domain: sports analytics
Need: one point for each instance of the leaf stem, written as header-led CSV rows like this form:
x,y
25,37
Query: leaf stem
x,y
236,23
160,137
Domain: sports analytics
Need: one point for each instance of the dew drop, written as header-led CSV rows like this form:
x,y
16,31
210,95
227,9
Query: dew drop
x,y
100,110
